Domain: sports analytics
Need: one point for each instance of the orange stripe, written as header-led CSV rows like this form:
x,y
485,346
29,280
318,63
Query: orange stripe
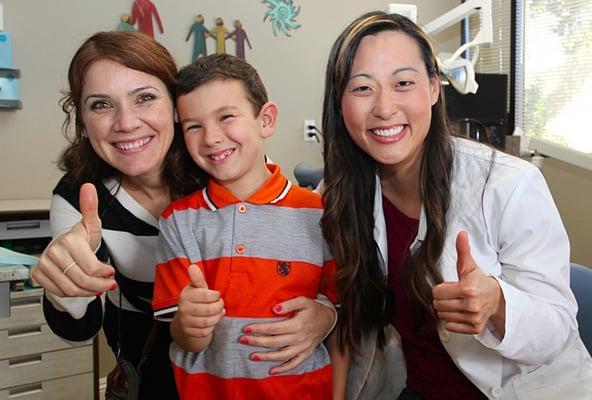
x,y
194,201
170,278
249,286
315,385
329,282
301,198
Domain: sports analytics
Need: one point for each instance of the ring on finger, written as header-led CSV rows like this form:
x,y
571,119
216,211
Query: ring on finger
x,y
65,271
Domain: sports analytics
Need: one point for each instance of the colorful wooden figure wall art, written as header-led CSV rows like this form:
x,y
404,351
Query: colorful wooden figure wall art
x,y
200,33
219,33
124,24
142,12
240,37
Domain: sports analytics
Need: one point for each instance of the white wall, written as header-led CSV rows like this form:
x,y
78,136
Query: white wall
x,y
46,34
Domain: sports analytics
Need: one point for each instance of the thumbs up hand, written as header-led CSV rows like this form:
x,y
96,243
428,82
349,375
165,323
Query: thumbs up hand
x,y
89,207
199,311
466,306
69,267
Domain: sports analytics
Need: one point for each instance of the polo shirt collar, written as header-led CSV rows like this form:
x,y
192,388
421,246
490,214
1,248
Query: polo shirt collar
x,y
275,188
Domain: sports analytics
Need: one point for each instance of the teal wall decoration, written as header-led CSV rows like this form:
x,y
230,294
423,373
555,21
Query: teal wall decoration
x,y
282,15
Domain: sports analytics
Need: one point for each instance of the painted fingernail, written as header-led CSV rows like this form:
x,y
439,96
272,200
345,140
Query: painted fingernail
x,y
278,308
244,340
113,287
247,330
111,274
98,294
255,358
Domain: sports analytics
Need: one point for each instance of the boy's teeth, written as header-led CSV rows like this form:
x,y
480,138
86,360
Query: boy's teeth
x,y
388,132
134,145
221,156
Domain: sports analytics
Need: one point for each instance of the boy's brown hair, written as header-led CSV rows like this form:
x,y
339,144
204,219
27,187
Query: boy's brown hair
x,y
222,66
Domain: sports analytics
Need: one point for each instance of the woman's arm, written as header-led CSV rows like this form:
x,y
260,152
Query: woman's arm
x,y
77,318
296,337
525,228
340,365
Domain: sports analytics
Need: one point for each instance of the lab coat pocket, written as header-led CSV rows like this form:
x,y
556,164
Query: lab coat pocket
x,y
569,376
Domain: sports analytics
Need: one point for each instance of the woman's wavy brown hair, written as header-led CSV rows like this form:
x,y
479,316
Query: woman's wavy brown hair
x,y
348,221
140,52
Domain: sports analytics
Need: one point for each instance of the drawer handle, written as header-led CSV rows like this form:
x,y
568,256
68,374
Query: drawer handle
x,y
26,302
25,390
24,332
14,225
25,360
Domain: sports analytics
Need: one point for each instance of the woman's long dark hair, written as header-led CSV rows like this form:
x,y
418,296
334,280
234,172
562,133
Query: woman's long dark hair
x,y
350,173
140,52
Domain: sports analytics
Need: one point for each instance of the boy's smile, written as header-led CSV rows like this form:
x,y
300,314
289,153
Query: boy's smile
x,y
224,134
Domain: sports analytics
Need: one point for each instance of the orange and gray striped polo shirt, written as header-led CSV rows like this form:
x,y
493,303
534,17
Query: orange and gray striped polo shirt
x,y
256,253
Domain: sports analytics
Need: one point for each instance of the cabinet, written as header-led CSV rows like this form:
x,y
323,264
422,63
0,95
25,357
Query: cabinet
x,y
35,363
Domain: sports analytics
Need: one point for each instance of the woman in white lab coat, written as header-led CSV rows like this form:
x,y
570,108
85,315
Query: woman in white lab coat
x,y
457,246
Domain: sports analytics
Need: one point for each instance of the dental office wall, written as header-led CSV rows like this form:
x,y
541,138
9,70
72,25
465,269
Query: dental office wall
x,y
46,34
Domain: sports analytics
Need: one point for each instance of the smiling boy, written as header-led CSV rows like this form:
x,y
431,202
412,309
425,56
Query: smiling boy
x,y
232,250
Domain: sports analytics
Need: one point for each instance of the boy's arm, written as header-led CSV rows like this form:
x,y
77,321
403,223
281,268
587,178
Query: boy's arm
x,y
340,365
200,310
181,293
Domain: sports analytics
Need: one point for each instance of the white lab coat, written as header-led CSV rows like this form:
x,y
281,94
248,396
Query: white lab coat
x,y
516,235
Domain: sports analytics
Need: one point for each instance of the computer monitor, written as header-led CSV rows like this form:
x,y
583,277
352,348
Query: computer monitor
x,y
481,116
488,106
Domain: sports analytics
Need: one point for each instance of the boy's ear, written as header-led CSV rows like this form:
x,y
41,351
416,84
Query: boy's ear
x,y
268,116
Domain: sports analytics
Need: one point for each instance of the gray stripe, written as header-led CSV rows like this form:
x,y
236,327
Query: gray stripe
x,y
227,358
266,231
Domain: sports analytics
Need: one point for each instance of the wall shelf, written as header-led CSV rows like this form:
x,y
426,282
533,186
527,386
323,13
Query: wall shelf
x,y
7,75
11,104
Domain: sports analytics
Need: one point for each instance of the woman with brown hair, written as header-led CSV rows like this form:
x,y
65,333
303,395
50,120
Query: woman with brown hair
x,y
125,163
403,199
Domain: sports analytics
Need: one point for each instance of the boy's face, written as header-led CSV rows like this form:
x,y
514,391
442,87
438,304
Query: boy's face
x,y
225,137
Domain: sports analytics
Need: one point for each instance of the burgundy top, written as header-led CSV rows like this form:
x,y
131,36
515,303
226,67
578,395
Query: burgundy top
x,y
430,370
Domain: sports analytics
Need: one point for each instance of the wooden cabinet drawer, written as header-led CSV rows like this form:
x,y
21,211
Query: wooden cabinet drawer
x,y
24,312
23,370
33,340
77,387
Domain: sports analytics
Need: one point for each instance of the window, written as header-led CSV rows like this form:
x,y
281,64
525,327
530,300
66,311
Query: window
x,y
553,76
552,82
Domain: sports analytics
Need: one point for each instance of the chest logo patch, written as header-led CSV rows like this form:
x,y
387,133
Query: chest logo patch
x,y
283,268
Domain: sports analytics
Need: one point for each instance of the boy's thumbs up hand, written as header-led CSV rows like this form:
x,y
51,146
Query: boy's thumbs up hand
x,y
196,277
465,306
200,309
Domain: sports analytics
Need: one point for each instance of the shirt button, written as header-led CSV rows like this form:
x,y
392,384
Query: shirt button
x,y
444,336
242,209
240,249
497,392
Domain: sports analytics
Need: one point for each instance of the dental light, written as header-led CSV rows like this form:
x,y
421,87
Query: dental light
x,y
458,70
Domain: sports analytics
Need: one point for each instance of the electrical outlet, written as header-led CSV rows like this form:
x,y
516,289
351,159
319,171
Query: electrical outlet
x,y
309,133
